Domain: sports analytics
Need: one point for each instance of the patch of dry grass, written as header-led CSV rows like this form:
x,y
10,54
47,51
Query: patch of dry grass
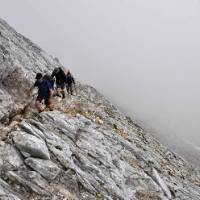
x,y
120,132
147,195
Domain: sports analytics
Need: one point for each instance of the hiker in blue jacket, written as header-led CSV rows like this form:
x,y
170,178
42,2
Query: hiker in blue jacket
x,y
45,90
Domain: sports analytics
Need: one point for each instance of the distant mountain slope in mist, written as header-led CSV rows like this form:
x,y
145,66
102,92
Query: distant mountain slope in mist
x,y
84,149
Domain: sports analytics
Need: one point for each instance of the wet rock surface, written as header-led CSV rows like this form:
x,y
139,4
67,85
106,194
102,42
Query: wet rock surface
x,y
85,149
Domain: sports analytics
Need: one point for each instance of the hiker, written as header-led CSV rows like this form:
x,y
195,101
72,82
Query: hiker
x,y
69,82
60,76
45,90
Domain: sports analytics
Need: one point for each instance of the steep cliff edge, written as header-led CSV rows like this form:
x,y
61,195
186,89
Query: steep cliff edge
x,y
84,149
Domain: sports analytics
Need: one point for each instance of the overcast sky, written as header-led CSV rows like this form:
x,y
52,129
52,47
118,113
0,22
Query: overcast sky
x,y
144,55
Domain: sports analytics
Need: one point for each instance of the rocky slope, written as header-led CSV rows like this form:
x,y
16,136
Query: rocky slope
x,y
20,59
84,149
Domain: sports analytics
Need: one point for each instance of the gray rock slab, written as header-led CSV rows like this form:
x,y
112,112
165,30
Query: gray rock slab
x,y
31,144
10,157
6,193
30,179
45,168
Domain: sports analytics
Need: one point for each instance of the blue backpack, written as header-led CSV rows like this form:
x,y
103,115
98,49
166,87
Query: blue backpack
x,y
44,87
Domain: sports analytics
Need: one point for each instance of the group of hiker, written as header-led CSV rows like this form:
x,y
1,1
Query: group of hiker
x,y
52,85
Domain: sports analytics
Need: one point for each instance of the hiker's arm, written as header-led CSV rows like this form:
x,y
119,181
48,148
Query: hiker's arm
x,y
53,74
73,81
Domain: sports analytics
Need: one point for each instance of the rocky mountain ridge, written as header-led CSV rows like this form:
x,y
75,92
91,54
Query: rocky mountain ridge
x,y
84,149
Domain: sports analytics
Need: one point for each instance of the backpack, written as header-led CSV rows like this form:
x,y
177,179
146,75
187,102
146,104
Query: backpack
x,y
50,79
60,75
44,87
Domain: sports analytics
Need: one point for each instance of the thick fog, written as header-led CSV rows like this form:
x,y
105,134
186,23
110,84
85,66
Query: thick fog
x,y
143,55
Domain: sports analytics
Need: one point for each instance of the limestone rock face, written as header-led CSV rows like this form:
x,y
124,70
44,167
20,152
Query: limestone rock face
x,y
85,149
20,60
10,157
46,168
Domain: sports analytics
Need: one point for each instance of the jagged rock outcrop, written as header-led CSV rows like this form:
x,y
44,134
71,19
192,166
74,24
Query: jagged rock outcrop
x,y
84,149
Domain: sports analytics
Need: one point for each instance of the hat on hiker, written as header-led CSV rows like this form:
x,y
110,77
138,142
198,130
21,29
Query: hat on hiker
x,y
38,76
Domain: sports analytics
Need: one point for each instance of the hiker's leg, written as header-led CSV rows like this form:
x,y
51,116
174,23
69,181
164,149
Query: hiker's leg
x,y
37,105
54,92
63,93
59,92
71,90
67,89
63,90
48,103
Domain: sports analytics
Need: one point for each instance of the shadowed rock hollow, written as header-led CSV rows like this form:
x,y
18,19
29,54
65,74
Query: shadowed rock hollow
x,y
84,149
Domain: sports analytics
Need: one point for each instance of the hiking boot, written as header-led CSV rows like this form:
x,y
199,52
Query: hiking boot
x,y
39,111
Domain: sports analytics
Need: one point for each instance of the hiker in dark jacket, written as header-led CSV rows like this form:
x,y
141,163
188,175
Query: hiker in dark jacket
x,y
45,90
60,76
69,82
